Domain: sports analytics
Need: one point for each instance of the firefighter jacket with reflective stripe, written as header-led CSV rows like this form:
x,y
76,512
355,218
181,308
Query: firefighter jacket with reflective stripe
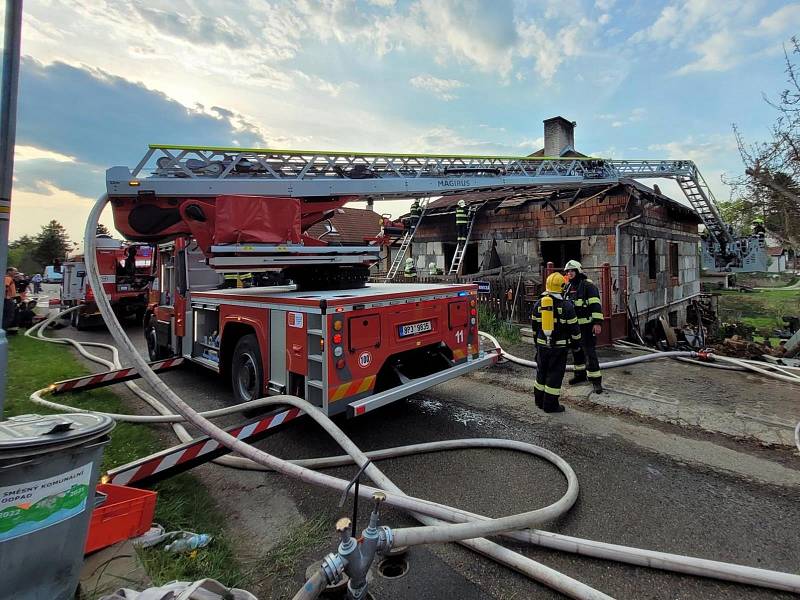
x,y
416,209
567,332
585,296
461,216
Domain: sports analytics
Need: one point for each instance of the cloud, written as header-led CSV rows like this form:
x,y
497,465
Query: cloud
x,y
441,88
197,28
688,25
636,115
75,122
100,119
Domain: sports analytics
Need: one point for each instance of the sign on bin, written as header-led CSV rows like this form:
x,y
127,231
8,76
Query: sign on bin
x,y
484,287
35,505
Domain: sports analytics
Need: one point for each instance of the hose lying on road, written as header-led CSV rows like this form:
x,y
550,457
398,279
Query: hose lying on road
x,y
607,365
779,372
461,526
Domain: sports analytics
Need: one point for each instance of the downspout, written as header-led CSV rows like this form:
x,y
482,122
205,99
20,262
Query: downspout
x,y
617,244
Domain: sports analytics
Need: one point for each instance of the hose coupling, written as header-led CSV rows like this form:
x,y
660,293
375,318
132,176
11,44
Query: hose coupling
x,y
379,498
333,566
385,539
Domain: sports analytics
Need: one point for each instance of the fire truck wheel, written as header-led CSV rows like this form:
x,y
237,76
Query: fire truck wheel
x,y
247,376
154,351
77,321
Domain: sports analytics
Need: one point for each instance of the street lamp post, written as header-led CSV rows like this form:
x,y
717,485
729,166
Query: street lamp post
x,y
8,130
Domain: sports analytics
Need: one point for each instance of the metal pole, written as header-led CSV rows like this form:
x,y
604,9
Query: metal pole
x,y
8,131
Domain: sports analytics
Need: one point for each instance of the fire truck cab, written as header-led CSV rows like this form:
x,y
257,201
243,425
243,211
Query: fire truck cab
x,y
342,350
125,273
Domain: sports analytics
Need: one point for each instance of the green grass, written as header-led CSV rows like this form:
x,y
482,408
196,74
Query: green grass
x,y
491,323
761,309
183,502
277,568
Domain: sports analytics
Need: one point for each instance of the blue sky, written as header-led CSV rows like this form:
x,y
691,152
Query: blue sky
x,y
643,79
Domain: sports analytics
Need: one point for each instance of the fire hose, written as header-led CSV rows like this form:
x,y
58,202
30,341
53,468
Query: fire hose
x,y
442,523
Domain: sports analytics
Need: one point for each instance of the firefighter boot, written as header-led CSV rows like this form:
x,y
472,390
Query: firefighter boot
x,y
597,384
538,397
551,404
578,378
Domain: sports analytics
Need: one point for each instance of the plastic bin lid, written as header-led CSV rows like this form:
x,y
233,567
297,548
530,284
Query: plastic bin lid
x,y
38,432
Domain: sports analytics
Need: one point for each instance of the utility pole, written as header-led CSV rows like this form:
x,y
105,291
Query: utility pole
x,y
8,132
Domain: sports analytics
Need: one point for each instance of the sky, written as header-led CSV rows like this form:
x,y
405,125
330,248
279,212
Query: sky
x,y
643,79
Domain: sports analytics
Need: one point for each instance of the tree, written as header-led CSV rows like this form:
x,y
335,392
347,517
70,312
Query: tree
x,y
102,230
739,213
52,244
772,168
20,255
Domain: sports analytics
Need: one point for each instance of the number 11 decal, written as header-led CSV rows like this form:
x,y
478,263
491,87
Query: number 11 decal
x,y
460,336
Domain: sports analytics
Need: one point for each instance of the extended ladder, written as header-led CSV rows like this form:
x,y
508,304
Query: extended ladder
x,y
461,247
703,202
405,242
197,172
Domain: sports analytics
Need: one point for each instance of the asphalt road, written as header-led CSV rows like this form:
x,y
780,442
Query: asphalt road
x,y
630,494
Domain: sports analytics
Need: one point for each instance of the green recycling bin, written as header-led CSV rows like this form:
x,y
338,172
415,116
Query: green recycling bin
x,y
49,467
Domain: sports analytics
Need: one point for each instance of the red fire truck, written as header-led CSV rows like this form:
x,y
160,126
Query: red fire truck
x,y
125,273
329,338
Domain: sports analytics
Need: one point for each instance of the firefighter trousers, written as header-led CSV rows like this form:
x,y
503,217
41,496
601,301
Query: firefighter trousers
x,y
462,231
586,363
551,365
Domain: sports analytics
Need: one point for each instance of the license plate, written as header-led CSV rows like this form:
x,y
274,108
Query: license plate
x,y
415,328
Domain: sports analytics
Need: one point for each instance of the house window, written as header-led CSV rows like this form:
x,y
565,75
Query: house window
x,y
673,260
652,259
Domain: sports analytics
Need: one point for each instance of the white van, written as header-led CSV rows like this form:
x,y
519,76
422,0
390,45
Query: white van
x,y
51,275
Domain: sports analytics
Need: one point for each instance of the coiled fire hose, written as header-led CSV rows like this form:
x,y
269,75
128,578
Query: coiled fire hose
x,y
443,523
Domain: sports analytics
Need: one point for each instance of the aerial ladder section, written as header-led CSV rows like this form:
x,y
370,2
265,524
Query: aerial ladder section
x,y
172,191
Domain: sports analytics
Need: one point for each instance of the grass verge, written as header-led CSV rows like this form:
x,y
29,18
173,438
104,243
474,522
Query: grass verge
x,y
276,569
183,502
491,323
761,309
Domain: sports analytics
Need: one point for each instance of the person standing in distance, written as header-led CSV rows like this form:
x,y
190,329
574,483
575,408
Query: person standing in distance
x,y
585,296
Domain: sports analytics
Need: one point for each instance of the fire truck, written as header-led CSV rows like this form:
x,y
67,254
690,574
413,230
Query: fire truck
x,y
125,273
328,337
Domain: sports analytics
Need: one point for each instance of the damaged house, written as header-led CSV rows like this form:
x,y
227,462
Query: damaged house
x,y
653,238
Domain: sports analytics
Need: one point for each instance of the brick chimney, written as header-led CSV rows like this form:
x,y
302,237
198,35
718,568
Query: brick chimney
x,y
559,135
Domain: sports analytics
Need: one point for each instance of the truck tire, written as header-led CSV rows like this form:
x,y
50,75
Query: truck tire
x,y
154,351
247,372
77,321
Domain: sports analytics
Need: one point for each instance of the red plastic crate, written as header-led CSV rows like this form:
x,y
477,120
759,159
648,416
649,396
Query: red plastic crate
x,y
126,513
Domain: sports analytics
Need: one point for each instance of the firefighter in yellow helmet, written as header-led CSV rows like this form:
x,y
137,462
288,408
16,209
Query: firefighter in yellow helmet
x,y
555,329
585,296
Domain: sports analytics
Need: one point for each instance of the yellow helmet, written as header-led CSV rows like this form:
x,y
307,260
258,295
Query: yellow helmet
x,y
555,283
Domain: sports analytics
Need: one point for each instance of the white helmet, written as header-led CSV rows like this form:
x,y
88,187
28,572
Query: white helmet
x,y
409,261
573,265
461,203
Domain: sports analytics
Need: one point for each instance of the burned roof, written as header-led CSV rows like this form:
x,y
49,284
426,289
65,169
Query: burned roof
x,y
508,198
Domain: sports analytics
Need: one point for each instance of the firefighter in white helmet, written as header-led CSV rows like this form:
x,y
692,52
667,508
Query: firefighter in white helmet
x,y
585,296
410,270
555,328
462,221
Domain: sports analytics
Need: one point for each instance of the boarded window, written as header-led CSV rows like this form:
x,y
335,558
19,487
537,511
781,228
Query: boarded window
x,y
652,259
673,260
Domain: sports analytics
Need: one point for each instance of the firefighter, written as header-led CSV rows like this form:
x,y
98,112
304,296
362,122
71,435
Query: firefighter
x,y
410,270
238,280
585,297
555,328
461,221
758,226
416,214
